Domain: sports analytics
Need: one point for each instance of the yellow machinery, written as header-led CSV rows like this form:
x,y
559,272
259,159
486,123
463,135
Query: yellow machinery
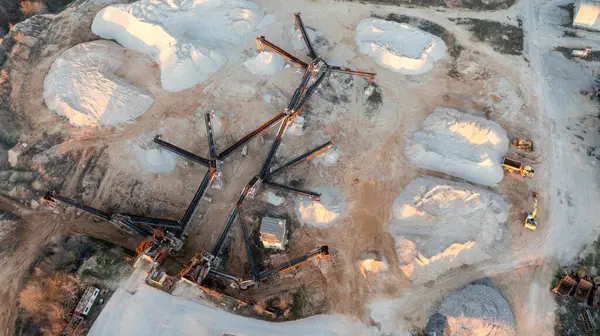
x,y
517,167
531,219
523,143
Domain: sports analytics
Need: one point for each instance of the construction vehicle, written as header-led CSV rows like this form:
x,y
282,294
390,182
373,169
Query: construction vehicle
x,y
531,218
565,286
192,271
583,290
523,143
160,279
517,167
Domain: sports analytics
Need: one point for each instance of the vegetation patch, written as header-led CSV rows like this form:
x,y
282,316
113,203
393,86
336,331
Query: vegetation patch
x,y
504,38
59,277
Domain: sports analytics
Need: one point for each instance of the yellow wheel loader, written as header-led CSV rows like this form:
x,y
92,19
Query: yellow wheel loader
x,y
523,143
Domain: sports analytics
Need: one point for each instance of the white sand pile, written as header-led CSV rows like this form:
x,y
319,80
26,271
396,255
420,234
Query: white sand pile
x,y
150,311
274,199
372,262
476,309
190,40
439,225
460,145
322,213
156,160
81,85
399,46
265,64
149,158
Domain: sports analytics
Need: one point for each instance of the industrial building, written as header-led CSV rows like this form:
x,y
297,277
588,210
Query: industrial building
x,y
272,233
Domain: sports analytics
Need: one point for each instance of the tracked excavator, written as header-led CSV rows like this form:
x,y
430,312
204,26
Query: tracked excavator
x,y
531,219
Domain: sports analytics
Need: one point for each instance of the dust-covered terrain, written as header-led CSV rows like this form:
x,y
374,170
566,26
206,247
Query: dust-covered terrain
x,y
81,120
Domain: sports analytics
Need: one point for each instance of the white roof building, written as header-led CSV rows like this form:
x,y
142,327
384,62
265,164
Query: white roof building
x,y
272,233
586,14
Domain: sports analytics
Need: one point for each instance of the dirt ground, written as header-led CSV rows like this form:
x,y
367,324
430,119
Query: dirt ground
x,y
99,167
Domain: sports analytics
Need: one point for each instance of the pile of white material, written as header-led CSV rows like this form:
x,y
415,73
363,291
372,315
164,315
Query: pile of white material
x,y
460,145
265,63
151,159
372,262
477,310
586,14
324,212
156,160
272,198
81,85
439,225
149,311
399,46
190,40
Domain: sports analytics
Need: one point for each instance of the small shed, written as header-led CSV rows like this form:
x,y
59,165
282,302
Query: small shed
x,y
272,232
586,14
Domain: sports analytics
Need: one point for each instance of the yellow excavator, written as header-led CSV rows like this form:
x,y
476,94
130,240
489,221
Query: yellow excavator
x,y
531,219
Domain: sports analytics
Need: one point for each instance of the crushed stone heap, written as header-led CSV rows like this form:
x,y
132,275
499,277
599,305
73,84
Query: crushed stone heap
x,y
461,145
324,212
439,225
398,46
476,309
82,86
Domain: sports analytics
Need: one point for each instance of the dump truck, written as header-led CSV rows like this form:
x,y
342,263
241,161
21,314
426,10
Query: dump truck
x,y
517,167
523,143
565,286
584,288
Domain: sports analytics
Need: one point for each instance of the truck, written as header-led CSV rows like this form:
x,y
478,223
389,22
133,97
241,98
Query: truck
x,y
517,167
565,286
584,288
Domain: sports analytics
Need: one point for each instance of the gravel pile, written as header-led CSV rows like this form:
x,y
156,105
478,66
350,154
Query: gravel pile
x,y
476,309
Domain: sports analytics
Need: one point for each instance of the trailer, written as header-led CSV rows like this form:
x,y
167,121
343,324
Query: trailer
x,y
583,291
565,286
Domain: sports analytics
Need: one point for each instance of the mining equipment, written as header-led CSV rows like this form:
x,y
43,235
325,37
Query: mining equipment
x,y
583,290
565,286
193,270
155,243
523,143
314,74
517,167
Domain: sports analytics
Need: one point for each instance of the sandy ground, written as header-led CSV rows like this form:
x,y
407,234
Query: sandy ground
x,y
521,96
